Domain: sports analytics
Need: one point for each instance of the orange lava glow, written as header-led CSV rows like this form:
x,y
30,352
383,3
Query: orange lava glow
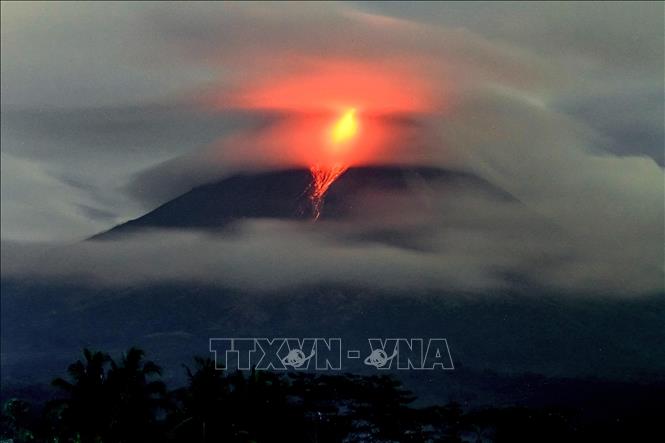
x,y
345,128
333,115
329,112
322,179
342,133
336,86
306,140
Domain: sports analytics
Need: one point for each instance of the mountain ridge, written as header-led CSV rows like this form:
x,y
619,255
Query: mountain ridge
x,y
284,194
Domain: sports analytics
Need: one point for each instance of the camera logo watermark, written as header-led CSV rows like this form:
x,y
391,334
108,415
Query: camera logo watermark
x,y
327,354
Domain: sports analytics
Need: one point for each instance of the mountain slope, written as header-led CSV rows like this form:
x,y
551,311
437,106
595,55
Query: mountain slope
x,y
285,195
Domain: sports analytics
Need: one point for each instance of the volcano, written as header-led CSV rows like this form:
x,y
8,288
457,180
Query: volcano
x,y
519,328
286,195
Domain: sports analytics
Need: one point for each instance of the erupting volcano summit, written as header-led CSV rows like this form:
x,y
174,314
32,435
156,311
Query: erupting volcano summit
x,y
341,133
330,115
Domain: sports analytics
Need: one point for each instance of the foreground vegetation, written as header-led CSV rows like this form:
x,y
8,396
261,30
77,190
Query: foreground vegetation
x,y
104,400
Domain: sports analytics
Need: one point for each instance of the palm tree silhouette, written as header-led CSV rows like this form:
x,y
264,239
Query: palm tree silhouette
x,y
135,396
203,406
85,410
109,401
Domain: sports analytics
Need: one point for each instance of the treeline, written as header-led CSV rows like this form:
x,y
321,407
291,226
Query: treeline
x,y
106,400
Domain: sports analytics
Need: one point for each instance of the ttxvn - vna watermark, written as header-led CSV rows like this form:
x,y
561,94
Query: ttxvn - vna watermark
x,y
329,354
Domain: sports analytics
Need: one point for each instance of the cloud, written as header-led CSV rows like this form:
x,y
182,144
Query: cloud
x,y
60,56
459,240
578,35
610,207
631,121
103,149
38,207
559,105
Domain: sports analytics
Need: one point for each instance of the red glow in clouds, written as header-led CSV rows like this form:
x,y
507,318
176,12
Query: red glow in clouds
x,y
335,115
338,86
341,136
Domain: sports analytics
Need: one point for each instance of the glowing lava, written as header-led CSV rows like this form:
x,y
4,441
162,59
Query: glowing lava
x,y
323,176
345,128
330,115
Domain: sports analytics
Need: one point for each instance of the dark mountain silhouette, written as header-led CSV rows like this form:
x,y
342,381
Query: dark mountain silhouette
x,y
508,331
285,195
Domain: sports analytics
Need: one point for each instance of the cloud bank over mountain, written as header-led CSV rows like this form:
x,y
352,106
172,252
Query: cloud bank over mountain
x,y
562,109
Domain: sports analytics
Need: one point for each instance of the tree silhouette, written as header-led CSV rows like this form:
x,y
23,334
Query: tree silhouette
x,y
135,396
202,409
16,422
85,412
109,401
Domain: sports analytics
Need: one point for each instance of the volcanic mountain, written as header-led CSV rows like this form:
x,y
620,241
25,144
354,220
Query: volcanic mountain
x,y
509,330
285,194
